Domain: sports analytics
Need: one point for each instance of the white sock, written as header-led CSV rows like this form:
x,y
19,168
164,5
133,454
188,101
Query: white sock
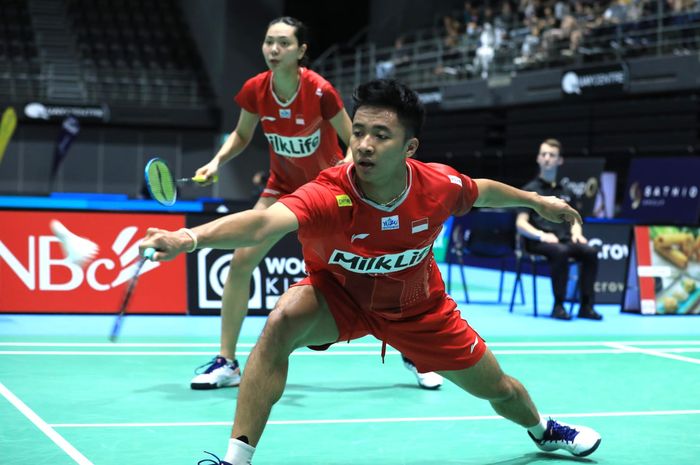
x,y
539,429
239,453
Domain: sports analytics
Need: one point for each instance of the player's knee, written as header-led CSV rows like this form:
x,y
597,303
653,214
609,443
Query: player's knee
x,y
280,329
243,263
274,337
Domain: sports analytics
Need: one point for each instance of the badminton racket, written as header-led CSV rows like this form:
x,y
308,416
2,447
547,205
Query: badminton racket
x,y
7,128
162,185
116,327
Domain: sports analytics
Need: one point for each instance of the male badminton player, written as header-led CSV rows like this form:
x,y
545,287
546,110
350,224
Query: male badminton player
x,y
386,284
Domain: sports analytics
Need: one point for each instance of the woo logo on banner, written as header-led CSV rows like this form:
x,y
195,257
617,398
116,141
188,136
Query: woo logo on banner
x,y
35,277
279,269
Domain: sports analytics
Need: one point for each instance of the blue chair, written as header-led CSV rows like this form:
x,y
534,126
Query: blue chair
x,y
484,233
522,255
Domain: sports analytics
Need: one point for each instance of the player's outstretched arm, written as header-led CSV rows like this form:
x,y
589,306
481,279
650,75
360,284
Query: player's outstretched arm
x,y
235,143
242,229
496,194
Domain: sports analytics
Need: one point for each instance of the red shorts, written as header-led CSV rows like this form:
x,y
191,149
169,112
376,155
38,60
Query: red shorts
x,y
276,188
273,189
438,339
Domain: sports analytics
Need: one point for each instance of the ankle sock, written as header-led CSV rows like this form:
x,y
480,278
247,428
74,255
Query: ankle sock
x,y
239,453
539,429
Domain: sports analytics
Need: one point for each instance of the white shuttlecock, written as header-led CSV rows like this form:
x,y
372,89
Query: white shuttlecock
x,y
77,249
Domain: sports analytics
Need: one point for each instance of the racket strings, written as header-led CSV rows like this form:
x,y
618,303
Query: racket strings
x,y
161,183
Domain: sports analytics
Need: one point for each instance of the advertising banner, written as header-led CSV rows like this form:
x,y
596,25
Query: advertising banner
x,y
582,176
36,278
208,269
612,243
666,268
595,81
663,190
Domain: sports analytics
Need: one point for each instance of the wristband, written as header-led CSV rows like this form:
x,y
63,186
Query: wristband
x,y
193,236
539,236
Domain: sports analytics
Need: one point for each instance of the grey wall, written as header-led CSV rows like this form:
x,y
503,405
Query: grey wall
x,y
229,35
101,159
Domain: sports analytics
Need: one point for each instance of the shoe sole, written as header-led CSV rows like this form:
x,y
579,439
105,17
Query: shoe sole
x,y
430,388
589,451
209,386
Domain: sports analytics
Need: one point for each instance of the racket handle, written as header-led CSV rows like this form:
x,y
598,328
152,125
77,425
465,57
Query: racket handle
x,y
202,179
148,253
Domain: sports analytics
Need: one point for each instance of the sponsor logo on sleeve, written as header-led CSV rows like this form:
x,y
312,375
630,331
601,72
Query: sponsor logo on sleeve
x,y
343,200
455,179
382,264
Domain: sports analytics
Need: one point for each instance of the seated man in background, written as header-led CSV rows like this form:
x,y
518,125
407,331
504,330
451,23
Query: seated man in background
x,y
559,241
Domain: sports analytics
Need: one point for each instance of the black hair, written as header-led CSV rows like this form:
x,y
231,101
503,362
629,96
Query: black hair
x,y
301,32
394,95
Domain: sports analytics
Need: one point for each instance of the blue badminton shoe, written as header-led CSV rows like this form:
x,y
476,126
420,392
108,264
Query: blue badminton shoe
x,y
219,373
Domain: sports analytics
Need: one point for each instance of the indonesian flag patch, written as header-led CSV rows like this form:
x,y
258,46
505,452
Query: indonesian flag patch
x,y
419,225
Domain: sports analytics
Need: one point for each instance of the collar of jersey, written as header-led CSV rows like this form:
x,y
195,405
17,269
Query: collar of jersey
x,y
395,205
296,92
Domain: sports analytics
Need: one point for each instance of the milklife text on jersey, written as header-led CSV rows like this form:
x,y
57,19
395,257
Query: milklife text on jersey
x,y
295,147
382,264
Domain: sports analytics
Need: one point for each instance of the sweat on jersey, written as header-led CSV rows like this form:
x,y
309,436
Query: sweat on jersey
x,y
302,140
381,255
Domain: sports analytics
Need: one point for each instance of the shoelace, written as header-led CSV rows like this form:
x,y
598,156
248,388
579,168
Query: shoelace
x,y
211,364
558,432
210,461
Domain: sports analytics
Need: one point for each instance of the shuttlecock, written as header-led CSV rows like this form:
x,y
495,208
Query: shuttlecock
x,y
77,249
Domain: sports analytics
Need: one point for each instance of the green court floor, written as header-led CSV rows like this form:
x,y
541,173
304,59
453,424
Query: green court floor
x,y
81,400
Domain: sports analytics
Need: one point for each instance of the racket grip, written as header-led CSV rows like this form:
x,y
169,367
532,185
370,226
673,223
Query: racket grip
x,y
202,179
148,253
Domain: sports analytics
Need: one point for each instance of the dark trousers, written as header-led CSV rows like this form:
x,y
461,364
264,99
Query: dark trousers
x,y
558,258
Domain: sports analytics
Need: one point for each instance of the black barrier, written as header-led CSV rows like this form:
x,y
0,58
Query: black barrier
x,y
207,270
595,81
612,242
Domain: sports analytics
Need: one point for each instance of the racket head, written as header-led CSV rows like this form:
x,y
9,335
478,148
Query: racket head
x,y
160,182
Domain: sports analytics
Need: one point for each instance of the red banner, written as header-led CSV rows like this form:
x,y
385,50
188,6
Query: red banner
x,y
35,277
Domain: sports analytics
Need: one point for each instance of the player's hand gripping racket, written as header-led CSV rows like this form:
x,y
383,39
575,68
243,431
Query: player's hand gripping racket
x,y
116,327
161,184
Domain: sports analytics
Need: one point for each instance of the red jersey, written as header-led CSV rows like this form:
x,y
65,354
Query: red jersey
x,y
381,255
302,140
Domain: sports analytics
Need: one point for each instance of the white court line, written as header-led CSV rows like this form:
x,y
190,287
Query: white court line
x,y
377,420
340,353
655,353
352,344
44,427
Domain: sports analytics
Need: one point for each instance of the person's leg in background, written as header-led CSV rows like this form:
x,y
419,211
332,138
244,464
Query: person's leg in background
x,y
587,256
558,259
224,370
